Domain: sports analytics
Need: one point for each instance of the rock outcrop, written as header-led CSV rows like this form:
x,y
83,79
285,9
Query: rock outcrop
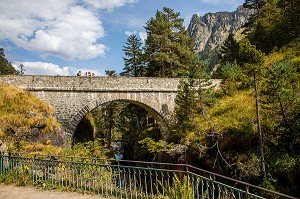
x,y
210,31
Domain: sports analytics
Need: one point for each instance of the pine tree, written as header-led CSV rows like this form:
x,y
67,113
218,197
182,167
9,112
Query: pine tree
x,y
133,60
273,24
229,50
110,73
192,99
232,76
135,125
254,4
280,90
168,50
184,108
291,17
5,67
251,60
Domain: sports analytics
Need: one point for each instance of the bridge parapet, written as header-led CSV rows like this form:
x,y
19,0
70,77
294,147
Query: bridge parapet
x,y
85,83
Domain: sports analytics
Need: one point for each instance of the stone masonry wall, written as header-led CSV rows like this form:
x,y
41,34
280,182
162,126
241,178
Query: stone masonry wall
x,y
84,83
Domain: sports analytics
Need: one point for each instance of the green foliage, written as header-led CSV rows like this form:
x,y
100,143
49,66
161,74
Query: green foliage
x,y
133,60
193,97
232,124
232,115
184,108
90,149
279,83
5,67
106,121
179,189
211,57
137,124
282,94
254,4
111,73
229,50
290,51
156,147
226,140
275,23
22,178
250,57
232,77
127,122
168,50
240,67
269,183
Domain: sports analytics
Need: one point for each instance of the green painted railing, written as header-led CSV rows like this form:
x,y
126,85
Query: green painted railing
x,y
129,179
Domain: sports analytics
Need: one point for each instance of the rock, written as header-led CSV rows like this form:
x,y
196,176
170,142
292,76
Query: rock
x,y
56,138
3,146
211,30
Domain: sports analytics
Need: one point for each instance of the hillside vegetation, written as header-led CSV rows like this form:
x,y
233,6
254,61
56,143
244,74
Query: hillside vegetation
x,y
250,128
28,125
20,113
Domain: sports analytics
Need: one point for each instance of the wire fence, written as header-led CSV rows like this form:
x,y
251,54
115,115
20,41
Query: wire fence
x,y
127,179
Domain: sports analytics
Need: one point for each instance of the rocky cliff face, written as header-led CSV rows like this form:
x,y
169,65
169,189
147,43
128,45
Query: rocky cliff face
x,y
210,30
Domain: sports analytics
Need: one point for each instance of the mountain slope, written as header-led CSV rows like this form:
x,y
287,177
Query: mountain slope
x,y
210,31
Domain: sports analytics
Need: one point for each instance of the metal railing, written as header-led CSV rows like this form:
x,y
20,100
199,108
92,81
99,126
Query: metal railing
x,y
128,179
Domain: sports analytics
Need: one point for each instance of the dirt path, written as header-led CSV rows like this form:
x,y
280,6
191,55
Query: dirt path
x,y
14,192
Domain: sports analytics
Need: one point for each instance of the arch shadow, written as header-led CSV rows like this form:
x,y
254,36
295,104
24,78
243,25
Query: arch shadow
x,y
159,117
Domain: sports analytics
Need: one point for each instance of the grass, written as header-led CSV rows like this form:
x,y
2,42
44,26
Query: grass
x,y
291,51
231,112
20,112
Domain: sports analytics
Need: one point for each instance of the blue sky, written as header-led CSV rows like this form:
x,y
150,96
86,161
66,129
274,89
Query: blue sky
x,y
61,37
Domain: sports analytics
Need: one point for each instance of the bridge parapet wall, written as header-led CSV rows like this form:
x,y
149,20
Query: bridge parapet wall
x,y
84,83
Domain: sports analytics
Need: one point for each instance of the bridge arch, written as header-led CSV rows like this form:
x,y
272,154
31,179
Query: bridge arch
x,y
158,116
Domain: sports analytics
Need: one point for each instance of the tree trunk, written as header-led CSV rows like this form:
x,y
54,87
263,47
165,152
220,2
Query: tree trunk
x,y
261,150
284,117
110,126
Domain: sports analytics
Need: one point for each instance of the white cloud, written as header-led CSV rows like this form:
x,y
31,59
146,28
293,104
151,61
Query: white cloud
x,y
108,4
128,33
66,29
41,68
71,36
143,36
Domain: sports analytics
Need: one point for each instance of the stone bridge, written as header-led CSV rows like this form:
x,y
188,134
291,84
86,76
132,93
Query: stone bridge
x,y
73,97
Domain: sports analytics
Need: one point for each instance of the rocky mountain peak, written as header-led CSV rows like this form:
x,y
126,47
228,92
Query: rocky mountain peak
x,y
210,30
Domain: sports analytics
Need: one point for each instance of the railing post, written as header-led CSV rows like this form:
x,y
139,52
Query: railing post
x,y
187,179
1,162
9,163
247,192
32,169
119,180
